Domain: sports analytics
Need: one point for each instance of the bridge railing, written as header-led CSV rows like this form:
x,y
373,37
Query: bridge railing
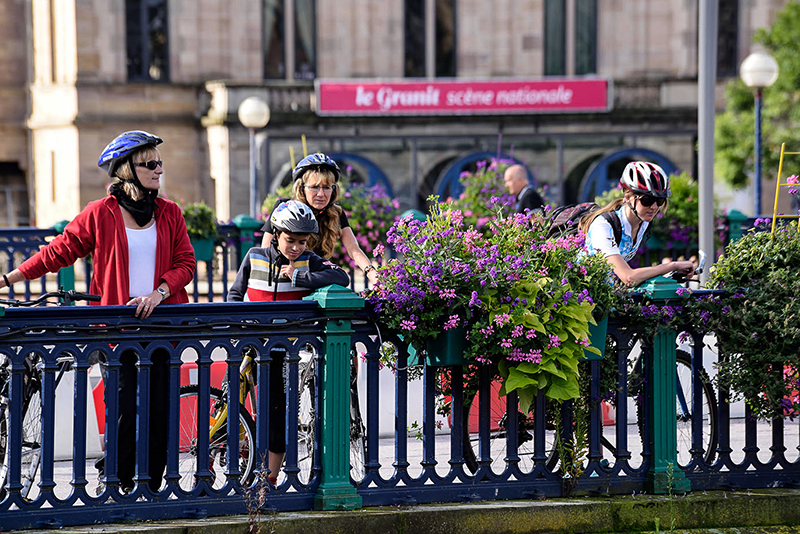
x,y
484,449
213,277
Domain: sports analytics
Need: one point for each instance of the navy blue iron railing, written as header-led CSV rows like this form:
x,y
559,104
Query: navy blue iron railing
x,y
200,333
512,456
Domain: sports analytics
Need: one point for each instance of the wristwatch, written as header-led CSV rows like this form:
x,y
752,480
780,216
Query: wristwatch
x,y
162,293
368,268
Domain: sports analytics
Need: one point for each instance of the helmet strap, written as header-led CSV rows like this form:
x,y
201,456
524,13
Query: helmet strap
x,y
632,206
143,209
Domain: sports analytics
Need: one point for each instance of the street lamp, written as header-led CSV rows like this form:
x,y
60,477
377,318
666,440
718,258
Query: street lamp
x,y
253,114
758,70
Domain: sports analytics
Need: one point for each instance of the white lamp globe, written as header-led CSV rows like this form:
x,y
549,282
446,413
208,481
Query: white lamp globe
x,y
253,112
759,69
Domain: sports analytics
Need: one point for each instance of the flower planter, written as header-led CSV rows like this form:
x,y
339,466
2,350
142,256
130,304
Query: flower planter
x,y
447,348
597,337
203,249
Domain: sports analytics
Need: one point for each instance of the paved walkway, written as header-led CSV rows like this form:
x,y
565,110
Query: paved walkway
x,y
752,512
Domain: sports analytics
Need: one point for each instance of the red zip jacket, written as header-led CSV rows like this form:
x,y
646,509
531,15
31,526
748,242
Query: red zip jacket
x,y
99,230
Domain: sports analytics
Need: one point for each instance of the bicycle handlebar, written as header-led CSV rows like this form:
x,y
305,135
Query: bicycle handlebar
x,y
65,297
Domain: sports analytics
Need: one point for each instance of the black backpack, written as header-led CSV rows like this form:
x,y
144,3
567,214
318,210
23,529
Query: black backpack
x,y
565,220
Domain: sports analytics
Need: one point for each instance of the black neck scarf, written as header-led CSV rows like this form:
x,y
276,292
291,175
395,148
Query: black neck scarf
x,y
142,209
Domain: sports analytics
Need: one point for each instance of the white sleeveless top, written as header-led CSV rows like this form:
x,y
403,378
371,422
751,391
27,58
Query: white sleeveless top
x,y
141,260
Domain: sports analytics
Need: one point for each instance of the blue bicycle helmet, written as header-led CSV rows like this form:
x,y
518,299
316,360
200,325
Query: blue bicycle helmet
x,y
317,160
122,146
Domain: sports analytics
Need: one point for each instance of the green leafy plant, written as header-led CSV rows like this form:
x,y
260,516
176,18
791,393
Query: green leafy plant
x,y
201,221
526,301
757,321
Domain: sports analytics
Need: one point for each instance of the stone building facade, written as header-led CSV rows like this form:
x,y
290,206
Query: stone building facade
x,y
78,72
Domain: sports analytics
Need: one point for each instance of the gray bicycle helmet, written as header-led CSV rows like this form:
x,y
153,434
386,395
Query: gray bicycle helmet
x,y
295,217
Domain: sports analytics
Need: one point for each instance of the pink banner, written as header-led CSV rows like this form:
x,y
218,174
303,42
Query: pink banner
x,y
369,97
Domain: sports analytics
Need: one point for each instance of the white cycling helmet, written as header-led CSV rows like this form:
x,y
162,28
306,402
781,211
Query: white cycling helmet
x,y
295,217
645,178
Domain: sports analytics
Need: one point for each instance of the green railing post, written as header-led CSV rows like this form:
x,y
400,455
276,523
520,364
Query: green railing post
x,y
664,475
335,491
735,221
247,227
66,275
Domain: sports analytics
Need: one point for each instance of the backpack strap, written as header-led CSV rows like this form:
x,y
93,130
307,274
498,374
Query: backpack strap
x,y
616,225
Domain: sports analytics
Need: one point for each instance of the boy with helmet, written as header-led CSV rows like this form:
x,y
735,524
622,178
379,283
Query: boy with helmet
x,y
284,270
316,184
647,191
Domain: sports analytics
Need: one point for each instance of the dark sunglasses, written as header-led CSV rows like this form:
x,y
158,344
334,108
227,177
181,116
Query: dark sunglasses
x,y
648,201
152,164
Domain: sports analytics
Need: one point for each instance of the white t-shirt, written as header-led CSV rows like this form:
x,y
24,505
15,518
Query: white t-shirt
x,y
141,260
600,237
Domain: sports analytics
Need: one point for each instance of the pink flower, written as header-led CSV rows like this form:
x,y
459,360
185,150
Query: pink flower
x,y
379,249
408,325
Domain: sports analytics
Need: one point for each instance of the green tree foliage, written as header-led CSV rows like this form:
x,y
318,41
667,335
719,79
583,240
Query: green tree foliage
x,y
735,138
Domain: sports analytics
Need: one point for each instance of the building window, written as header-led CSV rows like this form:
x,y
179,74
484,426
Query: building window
x,y
305,41
289,21
13,196
570,37
436,56
727,39
146,31
585,37
555,43
445,38
274,60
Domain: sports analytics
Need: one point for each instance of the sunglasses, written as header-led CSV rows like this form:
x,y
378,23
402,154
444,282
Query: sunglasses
x,y
323,188
152,164
648,201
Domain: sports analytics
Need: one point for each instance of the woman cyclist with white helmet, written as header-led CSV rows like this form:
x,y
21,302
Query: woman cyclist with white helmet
x,y
316,184
647,192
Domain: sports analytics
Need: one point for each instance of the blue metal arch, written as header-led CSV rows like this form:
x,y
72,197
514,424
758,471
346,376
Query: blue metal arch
x,y
598,177
374,173
449,184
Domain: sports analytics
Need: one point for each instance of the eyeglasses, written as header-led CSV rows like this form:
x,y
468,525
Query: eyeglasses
x,y
324,188
648,201
152,164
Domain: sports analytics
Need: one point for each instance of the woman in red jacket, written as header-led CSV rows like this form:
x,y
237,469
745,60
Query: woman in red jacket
x,y
141,256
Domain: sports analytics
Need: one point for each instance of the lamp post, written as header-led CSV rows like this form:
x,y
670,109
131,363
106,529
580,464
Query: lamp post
x,y
758,70
253,114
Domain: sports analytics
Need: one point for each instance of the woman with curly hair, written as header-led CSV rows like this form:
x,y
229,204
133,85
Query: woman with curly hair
x,y
316,183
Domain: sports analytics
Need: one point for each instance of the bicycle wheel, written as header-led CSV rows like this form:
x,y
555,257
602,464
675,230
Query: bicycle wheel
x,y
306,422
498,436
684,409
358,443
218,443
